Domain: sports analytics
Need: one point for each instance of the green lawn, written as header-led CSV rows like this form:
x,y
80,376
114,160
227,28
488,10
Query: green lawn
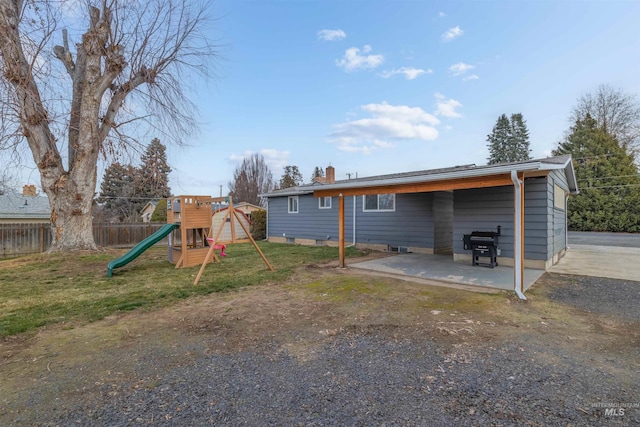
x,y
73,288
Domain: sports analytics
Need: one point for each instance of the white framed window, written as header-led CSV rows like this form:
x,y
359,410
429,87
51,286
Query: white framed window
x,y
324,202
379,202
559,197
293,204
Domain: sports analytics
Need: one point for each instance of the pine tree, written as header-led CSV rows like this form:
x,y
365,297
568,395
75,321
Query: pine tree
x,y
318,172
520,138
117,191
291,177
509,140
499,140
154,172
609,198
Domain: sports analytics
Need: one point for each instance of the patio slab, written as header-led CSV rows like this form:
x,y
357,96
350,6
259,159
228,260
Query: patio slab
x,y
442,268
600,261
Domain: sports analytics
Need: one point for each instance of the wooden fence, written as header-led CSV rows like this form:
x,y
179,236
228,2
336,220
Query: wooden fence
x,y
23,239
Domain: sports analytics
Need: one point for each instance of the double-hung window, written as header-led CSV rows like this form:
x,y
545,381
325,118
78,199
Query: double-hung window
x,y
379,202
293,204
324,202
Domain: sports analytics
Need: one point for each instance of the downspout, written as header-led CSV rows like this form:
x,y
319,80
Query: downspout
x,y
354,220
517,237
353,243
267,222
566,222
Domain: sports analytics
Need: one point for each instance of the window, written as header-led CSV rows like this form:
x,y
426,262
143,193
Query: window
x,y
559,197
379,202
324,202
293,204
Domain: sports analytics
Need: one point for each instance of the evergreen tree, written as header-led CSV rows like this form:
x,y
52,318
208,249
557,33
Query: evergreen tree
x,y
509,140
291,177
154,172
498,141
160,212
609,198
117,191
520,145
318,172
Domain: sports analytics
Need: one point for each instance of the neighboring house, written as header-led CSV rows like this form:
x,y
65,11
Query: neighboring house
x,y
247,208
28,207
430,211
147,211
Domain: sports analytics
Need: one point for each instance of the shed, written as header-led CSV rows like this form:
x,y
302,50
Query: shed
x,y
431,210
226,234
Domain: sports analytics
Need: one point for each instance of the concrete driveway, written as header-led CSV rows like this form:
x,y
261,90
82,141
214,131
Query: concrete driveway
x,y
613,255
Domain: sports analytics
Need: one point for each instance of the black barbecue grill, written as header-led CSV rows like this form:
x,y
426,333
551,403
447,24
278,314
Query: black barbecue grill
x,y
482,244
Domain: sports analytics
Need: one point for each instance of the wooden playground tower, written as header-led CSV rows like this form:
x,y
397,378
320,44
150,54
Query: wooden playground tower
x,y
193,243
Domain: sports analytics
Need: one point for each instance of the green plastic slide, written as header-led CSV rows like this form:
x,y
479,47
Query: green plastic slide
x,y
140,248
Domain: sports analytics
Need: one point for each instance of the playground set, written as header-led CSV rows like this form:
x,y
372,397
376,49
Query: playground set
x,y
192,237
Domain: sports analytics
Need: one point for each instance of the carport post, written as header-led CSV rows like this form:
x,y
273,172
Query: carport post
x,y
518,234
341,230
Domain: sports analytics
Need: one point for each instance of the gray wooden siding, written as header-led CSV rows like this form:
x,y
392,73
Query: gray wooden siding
x,y
310,222
443,222
411,224
558,228
486,208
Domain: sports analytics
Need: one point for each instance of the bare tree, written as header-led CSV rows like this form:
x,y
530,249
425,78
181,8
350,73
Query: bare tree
x,y
127,72
250,179
615,112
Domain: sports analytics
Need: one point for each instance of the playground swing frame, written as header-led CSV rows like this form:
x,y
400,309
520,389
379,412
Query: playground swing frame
x,y
231,215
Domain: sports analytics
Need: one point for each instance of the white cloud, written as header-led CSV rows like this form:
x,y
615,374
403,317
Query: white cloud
x,y
452,33
442,14
387,125
410,73
400,113
470,77
275,159
331,35
353,60
447,107
460,68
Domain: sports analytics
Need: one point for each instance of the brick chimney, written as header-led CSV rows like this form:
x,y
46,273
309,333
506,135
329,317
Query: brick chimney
x,y
330,175
29,190
329,178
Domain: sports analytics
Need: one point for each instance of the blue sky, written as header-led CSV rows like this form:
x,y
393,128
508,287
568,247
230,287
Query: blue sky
x,y
375,87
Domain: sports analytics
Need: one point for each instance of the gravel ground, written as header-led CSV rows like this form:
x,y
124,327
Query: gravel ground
x,y
378,375
611,297
361,380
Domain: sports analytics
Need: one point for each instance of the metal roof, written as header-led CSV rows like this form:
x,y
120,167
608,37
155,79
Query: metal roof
x,y
432,175
17,206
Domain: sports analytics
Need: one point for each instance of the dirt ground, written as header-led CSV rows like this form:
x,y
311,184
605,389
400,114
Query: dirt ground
x,y
51,371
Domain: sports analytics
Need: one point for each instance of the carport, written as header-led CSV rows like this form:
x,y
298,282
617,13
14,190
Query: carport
x,y
515,278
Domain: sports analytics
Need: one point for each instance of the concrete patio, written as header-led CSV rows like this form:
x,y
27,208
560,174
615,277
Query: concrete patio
x,y
442,269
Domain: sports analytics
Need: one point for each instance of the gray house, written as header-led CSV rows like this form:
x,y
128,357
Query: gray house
x,y
430,211
28,207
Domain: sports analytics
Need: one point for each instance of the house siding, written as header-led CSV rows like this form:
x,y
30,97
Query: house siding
x,y
434,221
310,222
485,209
410,224
558,217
